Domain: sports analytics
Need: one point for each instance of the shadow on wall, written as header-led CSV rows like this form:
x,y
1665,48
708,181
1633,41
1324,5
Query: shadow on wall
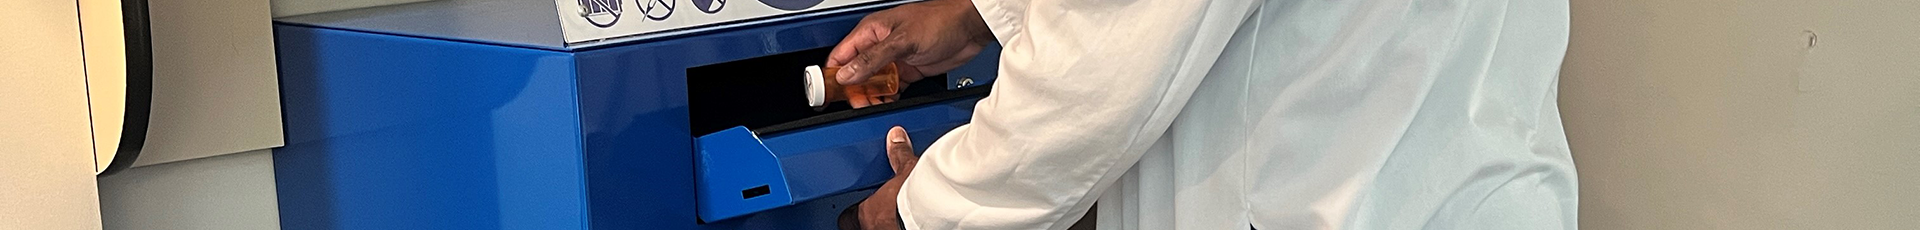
x,y
1729,115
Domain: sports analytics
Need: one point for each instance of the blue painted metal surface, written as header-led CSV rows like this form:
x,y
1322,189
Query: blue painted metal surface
x,y
812,163
397,132
632,105
982,70
734,168
389,132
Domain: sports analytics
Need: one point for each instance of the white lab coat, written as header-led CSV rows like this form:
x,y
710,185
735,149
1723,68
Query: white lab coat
x,y
1275,114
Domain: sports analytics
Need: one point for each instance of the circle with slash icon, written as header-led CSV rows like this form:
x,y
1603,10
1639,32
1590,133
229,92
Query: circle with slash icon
x,y
657,9
710,6
792,5
600,13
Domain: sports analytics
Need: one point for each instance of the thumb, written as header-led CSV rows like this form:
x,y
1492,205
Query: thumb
x,y
900,151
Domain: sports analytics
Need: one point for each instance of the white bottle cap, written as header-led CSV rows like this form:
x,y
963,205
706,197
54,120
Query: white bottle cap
x,y
816,86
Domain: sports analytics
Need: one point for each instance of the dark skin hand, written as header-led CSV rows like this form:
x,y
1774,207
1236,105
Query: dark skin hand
x,y
924,38
879,211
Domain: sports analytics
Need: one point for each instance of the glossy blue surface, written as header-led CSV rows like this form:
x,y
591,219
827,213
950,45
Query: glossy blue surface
x,y
389,132
848,155
731,162
398,132
810,163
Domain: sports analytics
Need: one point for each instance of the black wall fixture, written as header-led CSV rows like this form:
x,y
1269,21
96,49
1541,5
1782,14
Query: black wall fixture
x,y
139,106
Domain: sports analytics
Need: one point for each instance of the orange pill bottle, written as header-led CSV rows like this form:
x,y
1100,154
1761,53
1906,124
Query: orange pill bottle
x,y
822,86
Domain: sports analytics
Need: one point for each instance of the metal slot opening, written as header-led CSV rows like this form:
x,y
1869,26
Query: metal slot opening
x,y
756,191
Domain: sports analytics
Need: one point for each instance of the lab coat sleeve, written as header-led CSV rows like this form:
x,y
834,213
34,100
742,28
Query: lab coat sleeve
x,y
1085,87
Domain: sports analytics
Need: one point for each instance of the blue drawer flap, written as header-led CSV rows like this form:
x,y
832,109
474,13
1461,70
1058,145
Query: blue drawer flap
x,y
740,172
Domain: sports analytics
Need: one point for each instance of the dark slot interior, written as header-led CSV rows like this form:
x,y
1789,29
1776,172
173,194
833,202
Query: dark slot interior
x,y
767,91
758,191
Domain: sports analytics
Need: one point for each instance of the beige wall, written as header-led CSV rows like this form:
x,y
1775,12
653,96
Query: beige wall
x,y
1720,115
46,159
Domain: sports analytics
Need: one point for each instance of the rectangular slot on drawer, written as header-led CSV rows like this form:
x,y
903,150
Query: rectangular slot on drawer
x,y
756,191
767,91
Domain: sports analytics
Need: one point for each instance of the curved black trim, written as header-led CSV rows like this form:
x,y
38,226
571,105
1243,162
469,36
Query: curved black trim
x,y
133,134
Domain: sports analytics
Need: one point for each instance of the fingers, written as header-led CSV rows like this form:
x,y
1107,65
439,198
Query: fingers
x,y
862,36
871,101
860,102
849,218
886,94
876,213
900,151
873,59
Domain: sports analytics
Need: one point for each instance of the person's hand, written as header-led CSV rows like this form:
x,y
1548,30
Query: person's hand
x,y
880,211
924,38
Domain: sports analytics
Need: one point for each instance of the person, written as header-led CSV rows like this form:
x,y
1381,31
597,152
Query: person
x,y
1232,114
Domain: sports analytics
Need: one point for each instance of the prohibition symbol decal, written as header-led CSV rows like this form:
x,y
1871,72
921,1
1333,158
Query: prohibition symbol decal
x,y
792,4
657,9
710,6
600,13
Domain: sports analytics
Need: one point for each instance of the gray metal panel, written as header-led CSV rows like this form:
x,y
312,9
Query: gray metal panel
x,y
527,23
227,192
